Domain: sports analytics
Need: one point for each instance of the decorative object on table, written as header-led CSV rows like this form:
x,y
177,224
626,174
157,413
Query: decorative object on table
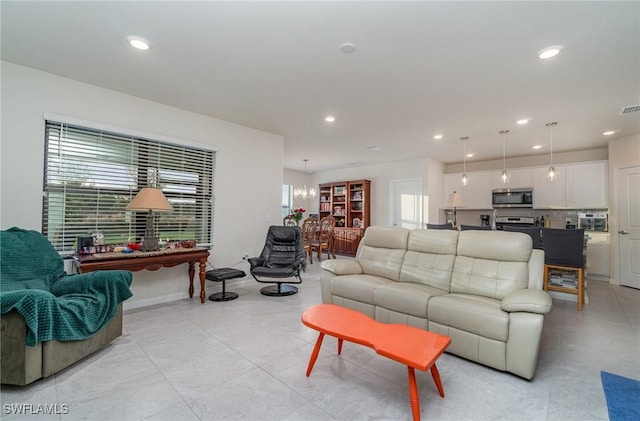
x,y
297,214
150,199
98,238
303,191
188,244
455,201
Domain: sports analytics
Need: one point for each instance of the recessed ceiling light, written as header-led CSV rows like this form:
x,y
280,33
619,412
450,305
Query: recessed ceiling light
x,y
347,47
522,121
469,155
549,52
609,132
537,146
437,137
374,148
330,119
138,42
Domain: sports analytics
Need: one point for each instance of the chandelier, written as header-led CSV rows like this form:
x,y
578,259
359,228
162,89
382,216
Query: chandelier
x,y
304,192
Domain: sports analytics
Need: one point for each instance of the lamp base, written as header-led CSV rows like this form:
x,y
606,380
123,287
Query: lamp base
x,y
150,241
150,244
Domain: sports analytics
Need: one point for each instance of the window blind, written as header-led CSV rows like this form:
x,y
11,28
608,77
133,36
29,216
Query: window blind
x,y
91,175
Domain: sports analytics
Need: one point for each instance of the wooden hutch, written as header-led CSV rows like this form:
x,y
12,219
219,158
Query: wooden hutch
x,y
349,203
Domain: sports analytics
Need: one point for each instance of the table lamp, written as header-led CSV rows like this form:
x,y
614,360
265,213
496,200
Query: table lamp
x,y
150,199
455,201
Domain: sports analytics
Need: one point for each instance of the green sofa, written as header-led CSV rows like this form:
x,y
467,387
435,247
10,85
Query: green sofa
x,y
48,318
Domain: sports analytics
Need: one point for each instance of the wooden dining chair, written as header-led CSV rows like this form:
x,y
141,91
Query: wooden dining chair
x,y
324,239
309,228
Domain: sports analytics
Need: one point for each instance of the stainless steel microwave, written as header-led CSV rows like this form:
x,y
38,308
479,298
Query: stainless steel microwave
x,y
512,198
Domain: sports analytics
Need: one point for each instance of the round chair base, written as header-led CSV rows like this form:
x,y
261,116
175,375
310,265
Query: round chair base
x,y
223,296
284,289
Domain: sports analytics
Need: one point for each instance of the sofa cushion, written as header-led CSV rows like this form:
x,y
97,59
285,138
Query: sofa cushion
x,y
405,297
479,315
429,258
495,245
381,251
491,264
488,278
357,287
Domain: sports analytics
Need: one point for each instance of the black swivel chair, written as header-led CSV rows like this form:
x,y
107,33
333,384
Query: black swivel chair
x,y
448,226
563,251
282,257
534,233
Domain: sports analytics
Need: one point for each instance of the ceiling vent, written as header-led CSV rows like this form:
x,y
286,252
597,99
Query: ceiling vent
x,y
630,109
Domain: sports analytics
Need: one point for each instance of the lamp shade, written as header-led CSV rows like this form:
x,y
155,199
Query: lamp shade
x,y
150,198
455,200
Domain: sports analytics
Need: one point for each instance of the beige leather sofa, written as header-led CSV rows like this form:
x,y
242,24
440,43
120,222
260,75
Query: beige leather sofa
x,y
481,288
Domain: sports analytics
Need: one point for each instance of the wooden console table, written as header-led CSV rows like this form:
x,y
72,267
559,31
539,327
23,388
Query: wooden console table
x,y
149,261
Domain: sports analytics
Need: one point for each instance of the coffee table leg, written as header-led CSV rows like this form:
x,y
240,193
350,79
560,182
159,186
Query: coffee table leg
x,y
340,346
436,378
414,399
314,354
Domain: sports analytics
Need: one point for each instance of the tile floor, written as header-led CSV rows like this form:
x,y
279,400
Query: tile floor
x,y
246,360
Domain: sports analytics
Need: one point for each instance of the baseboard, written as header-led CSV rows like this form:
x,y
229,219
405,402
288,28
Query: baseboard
x,y
146,302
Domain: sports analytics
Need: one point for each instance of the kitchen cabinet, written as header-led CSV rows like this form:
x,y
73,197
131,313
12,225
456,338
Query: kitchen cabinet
x,y
519,178
598,258
549,194
476,194
587,185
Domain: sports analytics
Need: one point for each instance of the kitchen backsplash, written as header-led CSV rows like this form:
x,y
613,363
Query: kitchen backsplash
x,y
557,217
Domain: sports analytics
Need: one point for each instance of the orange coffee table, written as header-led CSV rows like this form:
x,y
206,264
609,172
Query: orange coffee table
x,y
416,348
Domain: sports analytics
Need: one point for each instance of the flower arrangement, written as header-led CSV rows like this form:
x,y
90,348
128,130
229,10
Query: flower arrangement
x,y
297,214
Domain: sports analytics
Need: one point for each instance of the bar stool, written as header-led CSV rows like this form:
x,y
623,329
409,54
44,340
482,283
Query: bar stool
x,y
564,252
221,275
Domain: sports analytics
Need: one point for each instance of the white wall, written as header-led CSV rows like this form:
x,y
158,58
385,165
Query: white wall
x,y
248,175
428,170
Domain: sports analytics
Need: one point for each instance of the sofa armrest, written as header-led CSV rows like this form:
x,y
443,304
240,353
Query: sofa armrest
x,y
342,267
527,300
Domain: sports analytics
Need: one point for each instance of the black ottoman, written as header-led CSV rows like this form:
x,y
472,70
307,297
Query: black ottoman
x,y
221,275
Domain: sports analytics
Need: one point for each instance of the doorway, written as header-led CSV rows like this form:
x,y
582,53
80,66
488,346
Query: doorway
x,y
407,205
629,226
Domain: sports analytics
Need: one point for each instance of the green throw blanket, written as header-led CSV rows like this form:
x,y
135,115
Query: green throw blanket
x,y
55,305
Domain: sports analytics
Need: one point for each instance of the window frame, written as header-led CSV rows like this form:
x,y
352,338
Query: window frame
x,y
190,189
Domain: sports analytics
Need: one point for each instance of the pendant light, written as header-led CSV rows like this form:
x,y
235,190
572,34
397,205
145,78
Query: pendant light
x,y
465,179
505,177
303,192
552,174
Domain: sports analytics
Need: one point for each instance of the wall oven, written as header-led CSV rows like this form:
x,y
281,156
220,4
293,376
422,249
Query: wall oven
x,y
512,198
594,221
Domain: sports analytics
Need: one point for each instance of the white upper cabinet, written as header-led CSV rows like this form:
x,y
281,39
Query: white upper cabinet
x,y
549,194
519,178
476,194
587,185
577,186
